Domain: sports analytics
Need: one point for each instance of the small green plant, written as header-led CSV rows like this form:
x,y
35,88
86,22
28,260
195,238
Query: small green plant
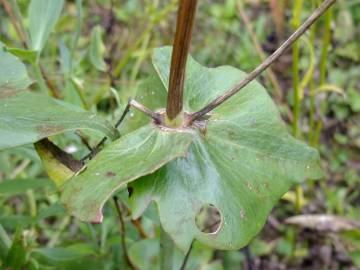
x,y
214,159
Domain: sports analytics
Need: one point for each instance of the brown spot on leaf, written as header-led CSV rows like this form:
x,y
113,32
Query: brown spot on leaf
x,y
8,92
47,130
110,174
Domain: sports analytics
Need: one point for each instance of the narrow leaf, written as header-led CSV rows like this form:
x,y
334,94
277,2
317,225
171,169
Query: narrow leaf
x,y
97,49
43,16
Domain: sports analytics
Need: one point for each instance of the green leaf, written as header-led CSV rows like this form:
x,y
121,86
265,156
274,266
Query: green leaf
x,y
58,254
27,117
16,256
5,243
136,154
97,49
19,186
13,74
24,55
43,16
242,162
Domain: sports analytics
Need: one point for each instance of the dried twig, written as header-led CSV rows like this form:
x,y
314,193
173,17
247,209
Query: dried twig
x,y
264,65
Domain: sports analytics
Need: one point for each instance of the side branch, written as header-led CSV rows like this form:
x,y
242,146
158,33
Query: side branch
x,y
134,104
270,60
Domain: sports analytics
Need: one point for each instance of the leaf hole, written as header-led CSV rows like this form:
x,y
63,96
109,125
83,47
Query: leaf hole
x,y
208,219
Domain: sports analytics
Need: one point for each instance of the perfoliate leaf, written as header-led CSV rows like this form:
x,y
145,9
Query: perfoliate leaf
x,y
242,162
130,157
43,16
97,49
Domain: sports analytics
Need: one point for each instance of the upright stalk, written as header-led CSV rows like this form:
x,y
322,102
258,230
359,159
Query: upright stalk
x,y
298,5
184,26
325,46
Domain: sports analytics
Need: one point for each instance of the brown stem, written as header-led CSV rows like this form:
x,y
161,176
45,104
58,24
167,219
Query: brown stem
x,y
264,65
184,26
122,234
271,75
14,22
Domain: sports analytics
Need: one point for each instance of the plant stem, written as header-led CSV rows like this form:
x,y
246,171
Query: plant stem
x,y
187,256
270,74
325,48
154,21
312,87
123,233
166,250
264,65
40,79
295,69
184,26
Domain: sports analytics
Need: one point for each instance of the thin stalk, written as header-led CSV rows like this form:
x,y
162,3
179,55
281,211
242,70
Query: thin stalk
x,y
187,256
166,250
14,21
135,45
312,106
323,65
123,234
325,47
184,27
268,62
79,13
298,5
40,79
270,74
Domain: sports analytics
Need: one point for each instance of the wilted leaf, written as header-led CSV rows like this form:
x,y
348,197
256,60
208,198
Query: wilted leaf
x,y
241,163
59,165
328,223
136,154
43,16
97,49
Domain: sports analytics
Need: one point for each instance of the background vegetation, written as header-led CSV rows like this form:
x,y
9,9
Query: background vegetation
x,y
95,59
